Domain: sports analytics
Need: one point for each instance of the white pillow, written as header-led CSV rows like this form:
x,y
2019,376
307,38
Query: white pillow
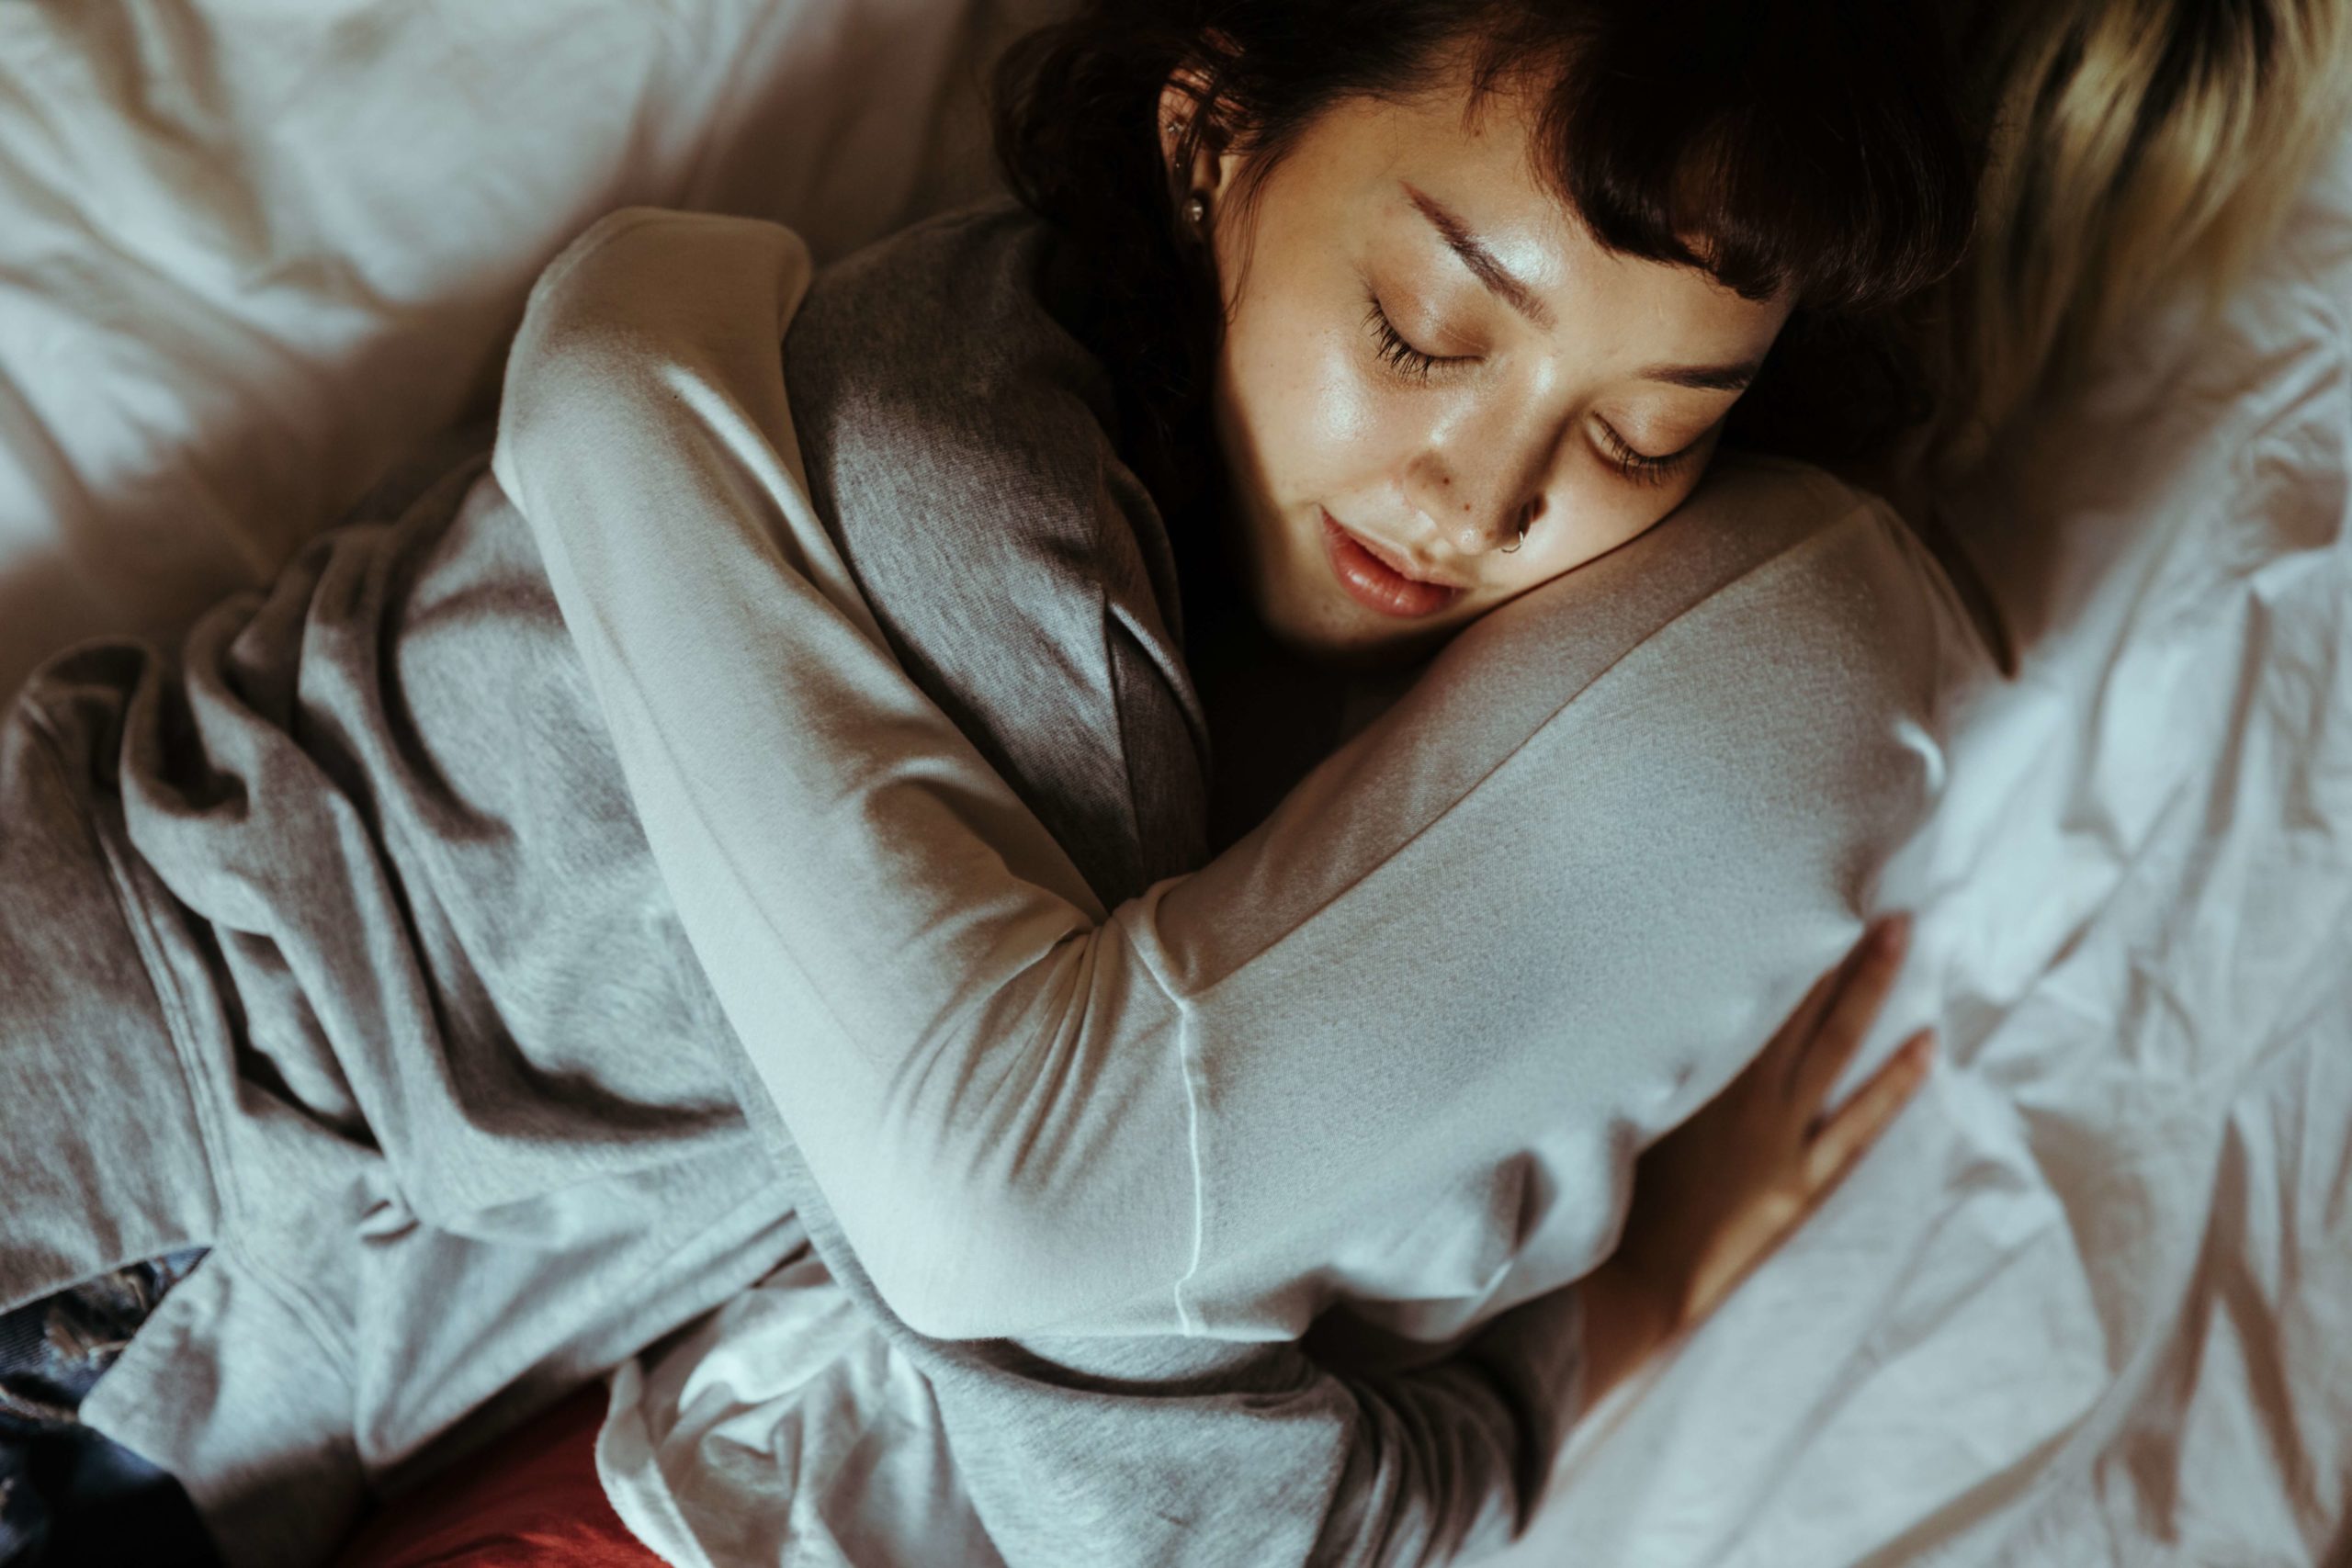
x,y
255,251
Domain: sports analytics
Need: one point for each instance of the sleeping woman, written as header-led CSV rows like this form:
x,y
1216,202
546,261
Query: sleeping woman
x,y
771,807
1459,928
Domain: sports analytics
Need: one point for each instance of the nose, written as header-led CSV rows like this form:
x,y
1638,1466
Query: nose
x,y
1525,518
1488,495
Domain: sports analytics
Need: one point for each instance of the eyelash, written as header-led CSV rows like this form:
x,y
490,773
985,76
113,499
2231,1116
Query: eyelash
x,y
1412,364
1640,467
1397,354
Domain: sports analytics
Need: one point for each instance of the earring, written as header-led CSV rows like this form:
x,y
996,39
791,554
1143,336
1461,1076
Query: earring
x,y
1196,209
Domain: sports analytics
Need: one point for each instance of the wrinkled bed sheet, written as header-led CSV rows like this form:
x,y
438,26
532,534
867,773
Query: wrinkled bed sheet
x,y
251,252
2092,1303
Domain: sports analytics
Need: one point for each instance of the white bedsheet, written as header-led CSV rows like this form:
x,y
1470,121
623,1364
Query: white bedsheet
x,y
2093,1301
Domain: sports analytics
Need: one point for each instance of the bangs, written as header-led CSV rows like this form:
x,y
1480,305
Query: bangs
x,y
1768,144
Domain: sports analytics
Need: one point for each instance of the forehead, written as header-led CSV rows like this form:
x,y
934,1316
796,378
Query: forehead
x,y
1367,159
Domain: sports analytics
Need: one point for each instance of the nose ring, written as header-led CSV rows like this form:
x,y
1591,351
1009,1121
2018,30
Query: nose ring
x,y
1525,523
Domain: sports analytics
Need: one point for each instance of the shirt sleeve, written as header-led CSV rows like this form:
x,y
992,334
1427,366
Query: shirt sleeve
x,y
1398,1044
1197,1453
1260,1453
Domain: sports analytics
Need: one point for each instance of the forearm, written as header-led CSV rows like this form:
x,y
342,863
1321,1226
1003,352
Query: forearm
x,y
1615,1324
1563,1353
1196,1454
1455,1458
1452,1460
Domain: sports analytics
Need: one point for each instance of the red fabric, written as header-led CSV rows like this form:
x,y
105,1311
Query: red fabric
x,y
531,1500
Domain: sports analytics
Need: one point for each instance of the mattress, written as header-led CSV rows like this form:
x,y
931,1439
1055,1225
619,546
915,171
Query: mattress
x,y
2090,1301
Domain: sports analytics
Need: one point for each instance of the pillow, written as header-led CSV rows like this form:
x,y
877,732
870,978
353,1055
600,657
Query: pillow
x,y
252,254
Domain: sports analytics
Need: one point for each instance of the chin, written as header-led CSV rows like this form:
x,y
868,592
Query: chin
x,y
1329,629
1303,608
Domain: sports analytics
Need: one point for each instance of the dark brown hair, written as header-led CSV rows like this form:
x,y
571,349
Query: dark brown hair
x,y
1808,145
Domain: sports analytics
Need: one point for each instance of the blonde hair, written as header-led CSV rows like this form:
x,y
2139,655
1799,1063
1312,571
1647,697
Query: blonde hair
x,y
2136,147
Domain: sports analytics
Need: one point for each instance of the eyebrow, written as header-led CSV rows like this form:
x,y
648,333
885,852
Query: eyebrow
x,y
1519,297
1480,260
1705,377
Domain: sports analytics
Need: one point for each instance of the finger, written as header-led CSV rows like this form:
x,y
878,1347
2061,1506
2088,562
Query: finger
x,y
1852,1011
1785,1050
1856,1125
1788,1044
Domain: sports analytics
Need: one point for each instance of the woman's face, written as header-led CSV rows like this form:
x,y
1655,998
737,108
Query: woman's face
x,y
1426,350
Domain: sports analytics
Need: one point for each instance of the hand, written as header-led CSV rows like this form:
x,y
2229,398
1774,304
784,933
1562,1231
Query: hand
x,y
1717,1194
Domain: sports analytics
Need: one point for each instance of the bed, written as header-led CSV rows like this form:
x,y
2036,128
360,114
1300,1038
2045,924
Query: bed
x,y
2093,1301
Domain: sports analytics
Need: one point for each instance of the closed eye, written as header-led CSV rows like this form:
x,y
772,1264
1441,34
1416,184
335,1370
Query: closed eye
x,y
1408,362
1641,468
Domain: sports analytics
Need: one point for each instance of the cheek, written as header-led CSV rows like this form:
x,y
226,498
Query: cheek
x,y
1600,512
1300,390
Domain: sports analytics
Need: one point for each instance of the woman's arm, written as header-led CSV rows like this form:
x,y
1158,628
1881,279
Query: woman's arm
x,y
916,969
1250,1091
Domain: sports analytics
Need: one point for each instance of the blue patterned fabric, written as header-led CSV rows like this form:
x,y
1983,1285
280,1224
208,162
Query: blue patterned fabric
x,y
68,1496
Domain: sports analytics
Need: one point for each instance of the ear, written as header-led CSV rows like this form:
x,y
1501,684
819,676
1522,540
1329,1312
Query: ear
x,y
1212,162
1179,103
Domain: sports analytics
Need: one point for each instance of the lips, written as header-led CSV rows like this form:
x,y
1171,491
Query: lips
x,y
1373,577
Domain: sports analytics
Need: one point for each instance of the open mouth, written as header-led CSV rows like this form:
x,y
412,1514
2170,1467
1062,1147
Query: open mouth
x,y
1372,580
